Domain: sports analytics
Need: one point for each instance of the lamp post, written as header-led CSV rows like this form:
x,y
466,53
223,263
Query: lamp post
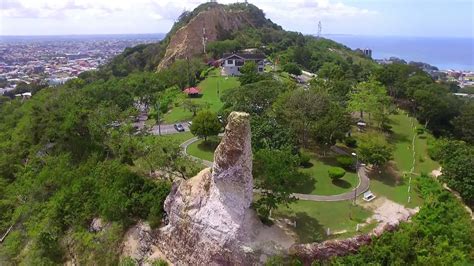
x,y
357,173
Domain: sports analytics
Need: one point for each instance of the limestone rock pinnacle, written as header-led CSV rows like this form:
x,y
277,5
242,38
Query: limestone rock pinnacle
x,y
210,219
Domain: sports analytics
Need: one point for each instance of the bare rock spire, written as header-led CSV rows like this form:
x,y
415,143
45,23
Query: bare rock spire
x,y
210,219
232,170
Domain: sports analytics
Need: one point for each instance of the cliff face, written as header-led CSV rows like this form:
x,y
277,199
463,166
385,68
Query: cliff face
x,y
210,220
188,40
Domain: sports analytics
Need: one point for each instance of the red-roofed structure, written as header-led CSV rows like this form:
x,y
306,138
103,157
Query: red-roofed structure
x,y
193,91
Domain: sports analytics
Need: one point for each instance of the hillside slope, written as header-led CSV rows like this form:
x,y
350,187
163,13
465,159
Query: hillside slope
x,y
219,21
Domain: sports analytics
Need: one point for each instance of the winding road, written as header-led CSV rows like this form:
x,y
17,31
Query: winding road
x,y
362,187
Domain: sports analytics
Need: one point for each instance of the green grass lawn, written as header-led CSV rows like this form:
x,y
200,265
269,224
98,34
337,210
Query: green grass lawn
x,y
394,186
313,218
392,183
179,138
402,138
204,149
210,95
323,183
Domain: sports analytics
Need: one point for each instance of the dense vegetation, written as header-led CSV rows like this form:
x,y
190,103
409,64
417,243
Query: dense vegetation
x,y
70,154
441,234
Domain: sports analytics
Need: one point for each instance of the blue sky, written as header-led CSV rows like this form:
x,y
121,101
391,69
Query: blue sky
x,y
429,18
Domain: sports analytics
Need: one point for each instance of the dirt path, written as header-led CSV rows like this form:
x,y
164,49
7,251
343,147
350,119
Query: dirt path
x,y
387,212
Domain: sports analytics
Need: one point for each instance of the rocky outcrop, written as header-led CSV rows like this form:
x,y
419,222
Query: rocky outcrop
x,y
309,253
210,219
138,243
188,40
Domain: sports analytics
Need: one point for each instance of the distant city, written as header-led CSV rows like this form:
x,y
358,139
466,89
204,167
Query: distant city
x,y
53,60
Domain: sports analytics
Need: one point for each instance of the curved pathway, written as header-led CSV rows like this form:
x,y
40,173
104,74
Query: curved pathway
x,y
185,146
362,187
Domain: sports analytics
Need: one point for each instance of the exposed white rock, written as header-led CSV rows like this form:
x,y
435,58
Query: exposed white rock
x,y
210,219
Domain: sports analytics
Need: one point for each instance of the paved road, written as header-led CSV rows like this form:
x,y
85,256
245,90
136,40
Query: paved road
x,y
363,186
167,129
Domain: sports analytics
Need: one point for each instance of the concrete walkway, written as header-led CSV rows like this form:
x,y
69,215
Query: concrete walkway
x,y
184,147
362,187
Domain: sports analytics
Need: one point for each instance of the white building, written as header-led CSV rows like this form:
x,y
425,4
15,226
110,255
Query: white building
x,y
231,63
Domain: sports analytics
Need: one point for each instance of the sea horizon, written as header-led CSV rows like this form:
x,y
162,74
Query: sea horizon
x,y
446,53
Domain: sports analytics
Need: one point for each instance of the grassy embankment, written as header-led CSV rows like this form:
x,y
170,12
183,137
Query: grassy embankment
x,y
394,180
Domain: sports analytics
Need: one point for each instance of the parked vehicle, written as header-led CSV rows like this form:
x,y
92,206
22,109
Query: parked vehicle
x,y
179,127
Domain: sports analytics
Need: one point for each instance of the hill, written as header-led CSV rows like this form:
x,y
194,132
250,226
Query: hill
x,y
208,23
228,28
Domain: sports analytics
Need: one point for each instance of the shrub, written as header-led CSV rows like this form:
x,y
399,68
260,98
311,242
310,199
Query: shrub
x,y
160,262
205,73
305,159
350,142
420,131
345,162
336,172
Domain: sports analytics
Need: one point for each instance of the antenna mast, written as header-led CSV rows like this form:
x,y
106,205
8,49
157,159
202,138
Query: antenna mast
x,y
320,29
204,39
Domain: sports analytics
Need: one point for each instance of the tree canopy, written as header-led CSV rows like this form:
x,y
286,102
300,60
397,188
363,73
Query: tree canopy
x,y
206,124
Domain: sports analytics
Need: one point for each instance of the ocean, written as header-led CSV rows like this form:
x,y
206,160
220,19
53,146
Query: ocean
x,y
444,53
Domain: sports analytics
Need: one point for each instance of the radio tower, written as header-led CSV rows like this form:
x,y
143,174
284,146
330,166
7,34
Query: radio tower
x,y
320,29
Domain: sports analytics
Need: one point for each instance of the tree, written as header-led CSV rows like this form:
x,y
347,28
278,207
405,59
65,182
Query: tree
x,y
206,124
457,159
293,69
255,98
301,110
458,172
194,107
435,107
374,149
331,126
464,123
182,73
331,71
267,133
302,55
249,73
275,173
370,96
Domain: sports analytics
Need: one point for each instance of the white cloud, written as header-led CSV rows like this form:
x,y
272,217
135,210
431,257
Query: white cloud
x,y
162,13
169,9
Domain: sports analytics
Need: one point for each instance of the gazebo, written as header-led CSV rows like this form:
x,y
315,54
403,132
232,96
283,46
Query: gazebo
x,y
192,91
